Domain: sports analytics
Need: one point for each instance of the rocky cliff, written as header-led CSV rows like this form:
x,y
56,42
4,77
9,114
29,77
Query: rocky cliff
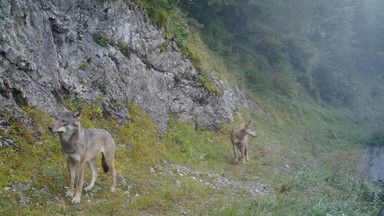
x,y
93,48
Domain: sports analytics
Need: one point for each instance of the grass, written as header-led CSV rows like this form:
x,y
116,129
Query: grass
x,y
314,175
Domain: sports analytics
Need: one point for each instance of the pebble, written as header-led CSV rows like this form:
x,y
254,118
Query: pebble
x,y
152,170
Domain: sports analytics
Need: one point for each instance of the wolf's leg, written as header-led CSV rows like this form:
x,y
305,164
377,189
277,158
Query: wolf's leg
x,y
111,164
71,177
234,151
80,182
246,151
243,150
246,154
92,167
109,157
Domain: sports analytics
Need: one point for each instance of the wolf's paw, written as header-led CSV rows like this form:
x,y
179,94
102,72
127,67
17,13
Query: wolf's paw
x,y
112,189
76,200
88,188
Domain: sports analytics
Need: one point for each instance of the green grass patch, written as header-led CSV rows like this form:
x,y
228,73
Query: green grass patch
x,y
191,144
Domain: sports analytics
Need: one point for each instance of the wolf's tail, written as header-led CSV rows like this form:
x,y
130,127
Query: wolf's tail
x,y
104,164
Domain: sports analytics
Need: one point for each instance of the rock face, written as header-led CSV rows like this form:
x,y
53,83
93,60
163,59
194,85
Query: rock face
x,y
89,48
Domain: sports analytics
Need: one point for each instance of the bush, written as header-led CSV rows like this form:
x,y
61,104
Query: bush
x,y
217,37
271,47
158,17
377,138
257,81
158,10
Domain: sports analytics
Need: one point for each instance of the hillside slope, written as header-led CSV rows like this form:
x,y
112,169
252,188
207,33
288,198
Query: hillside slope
x,y
133,80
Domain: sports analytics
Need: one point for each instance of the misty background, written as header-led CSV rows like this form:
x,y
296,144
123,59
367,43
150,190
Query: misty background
x,y
332,49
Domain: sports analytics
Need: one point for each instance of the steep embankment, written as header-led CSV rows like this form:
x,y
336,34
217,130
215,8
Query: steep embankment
x,y
52,52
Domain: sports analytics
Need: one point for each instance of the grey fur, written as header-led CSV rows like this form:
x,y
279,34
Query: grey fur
x,y
82,146
239,138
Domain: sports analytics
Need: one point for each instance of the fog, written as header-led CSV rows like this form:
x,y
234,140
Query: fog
x,y
333,49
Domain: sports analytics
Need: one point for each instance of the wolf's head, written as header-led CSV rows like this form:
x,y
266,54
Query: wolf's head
x,y
249,129
66,121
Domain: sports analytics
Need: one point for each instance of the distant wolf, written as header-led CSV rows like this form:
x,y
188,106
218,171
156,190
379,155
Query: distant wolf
x,y
82,146
239,138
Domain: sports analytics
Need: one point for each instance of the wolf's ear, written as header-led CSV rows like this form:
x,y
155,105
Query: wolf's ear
x,y
77,114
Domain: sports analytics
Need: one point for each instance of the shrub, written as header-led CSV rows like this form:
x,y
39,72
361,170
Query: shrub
x,y
125,50
159,18
101,40
271,47
84,65
377,138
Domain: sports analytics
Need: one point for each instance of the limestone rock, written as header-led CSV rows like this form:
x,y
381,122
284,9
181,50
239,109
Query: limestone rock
x,y
102,48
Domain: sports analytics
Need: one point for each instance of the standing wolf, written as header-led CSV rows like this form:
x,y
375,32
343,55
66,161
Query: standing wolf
x,y
239,139
82,146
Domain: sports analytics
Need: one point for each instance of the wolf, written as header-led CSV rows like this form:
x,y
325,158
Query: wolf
x,y
239,138
81,146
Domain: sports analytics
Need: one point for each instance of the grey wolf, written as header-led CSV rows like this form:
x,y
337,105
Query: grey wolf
x,y
82,146
239,138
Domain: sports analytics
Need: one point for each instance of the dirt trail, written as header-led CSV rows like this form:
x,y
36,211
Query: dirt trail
x,y
214,180
372,163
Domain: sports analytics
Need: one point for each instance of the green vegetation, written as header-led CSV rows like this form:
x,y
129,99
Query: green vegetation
x,y
209,84
101,40
104,42
306,165
84,65
377,138
158,10
315,47
185,31
3,90
124,49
